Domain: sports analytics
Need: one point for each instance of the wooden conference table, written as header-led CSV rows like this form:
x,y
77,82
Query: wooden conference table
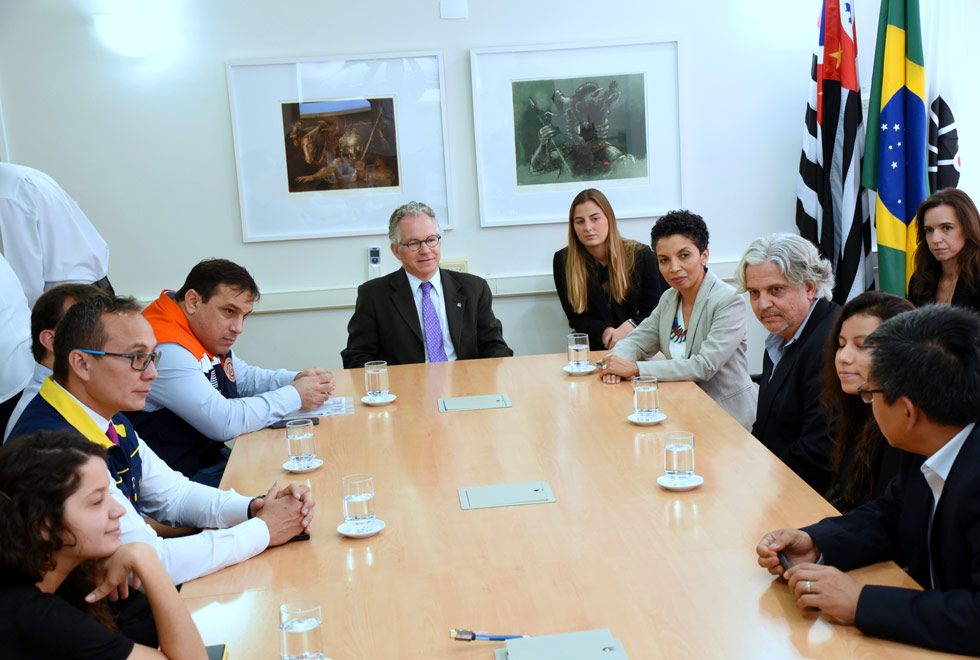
x,y
673,575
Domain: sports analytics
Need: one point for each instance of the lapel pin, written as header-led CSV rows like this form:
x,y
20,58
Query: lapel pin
x,y
459,304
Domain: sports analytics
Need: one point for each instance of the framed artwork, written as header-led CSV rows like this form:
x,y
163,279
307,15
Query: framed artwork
x,y
331,146
553,120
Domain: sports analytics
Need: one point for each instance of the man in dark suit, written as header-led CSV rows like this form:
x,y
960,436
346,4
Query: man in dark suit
x,y
789,286
421,313
924,391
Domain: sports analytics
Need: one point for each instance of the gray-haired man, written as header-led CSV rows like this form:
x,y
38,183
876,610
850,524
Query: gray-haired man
x,y
421,313
789,286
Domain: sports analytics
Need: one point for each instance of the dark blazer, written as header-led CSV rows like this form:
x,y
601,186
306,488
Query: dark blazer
x,y
385,324
602,311
894,527
962,296
790,421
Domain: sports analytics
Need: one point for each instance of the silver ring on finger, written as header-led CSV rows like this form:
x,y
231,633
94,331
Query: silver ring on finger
x,y
808,587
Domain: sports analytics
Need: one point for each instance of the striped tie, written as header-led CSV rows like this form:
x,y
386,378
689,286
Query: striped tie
x,y
433,331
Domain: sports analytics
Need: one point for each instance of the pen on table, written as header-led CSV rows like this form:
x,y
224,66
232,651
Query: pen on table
x,y
462,635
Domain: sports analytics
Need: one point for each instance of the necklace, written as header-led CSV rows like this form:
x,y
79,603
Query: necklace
x,y
678,334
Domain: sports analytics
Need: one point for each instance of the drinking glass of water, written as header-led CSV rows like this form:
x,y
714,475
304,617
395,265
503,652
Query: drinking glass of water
x,y
376,379
646,398
299,630
359,501
578,351
301,442
679,456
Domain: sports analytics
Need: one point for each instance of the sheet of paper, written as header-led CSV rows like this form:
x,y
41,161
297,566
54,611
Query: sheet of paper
x,y
582,645
484,497
339,405
479,402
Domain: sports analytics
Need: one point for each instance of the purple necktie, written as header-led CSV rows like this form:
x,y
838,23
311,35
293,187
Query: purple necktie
x,y
111,434
433,332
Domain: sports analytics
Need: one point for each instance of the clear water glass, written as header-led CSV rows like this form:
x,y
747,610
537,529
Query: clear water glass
x,y
376,379
679,455
299,630
646,397
358,500
578,351
301,442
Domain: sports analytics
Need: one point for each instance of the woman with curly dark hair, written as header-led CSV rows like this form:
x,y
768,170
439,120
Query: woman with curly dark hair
x,y
699,324
60,555
606,284
947,258
863,461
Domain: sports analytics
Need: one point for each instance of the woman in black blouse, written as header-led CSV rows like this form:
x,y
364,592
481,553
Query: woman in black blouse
x,y
61,554
606,284
947,259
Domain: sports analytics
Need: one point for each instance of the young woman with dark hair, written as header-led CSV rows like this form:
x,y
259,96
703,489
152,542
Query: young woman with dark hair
x,y
863,461
60,555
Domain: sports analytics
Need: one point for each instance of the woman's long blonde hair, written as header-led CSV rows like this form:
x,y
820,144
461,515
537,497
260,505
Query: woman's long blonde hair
x,y
620,255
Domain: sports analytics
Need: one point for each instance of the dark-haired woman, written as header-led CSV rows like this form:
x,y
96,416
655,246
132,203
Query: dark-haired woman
x,y
606,284
863,462
947,258
699,324
60,555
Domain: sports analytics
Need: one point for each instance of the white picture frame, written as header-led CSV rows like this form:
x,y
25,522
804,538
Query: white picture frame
x,y
261,93
497,116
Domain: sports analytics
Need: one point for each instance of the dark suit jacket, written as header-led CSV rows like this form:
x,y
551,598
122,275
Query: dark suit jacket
x,y
601,312
385,324
790,421
894,527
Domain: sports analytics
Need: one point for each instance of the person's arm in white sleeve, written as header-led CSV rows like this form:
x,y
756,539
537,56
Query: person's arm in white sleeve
x,y
22,246
254,380
190,557
182,388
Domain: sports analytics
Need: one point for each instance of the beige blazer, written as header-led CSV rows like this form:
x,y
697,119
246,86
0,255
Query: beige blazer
x,y
714,354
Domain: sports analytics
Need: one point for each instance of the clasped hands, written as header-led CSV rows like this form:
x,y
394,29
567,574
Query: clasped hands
x,y
315,385
286,511
824,587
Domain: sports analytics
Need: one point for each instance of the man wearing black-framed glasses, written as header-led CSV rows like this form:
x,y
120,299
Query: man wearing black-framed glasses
x,y
422,313
104,363
924,391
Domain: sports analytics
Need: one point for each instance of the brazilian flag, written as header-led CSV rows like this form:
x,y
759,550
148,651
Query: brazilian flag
x,y
895,148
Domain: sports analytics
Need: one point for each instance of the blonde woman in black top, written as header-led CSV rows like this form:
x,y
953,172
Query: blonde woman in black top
x,y
606,284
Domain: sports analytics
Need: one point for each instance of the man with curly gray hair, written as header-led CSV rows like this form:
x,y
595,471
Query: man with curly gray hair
x,y
789,286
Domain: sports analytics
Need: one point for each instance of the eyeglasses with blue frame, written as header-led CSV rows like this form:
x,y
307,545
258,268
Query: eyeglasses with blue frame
x,y
138,361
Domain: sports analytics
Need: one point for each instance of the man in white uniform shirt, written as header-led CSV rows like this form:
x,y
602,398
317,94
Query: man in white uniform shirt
x,y
421,313
93,380
46,237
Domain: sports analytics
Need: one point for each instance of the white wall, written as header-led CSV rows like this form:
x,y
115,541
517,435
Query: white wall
x,y
144,144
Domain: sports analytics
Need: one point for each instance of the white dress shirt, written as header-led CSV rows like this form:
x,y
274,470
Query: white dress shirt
x,y
16,358
30,391
266,396
439,302
46,237
171,498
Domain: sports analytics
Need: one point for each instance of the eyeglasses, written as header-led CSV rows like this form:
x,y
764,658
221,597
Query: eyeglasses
x,y
868,395
138,361
415,245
